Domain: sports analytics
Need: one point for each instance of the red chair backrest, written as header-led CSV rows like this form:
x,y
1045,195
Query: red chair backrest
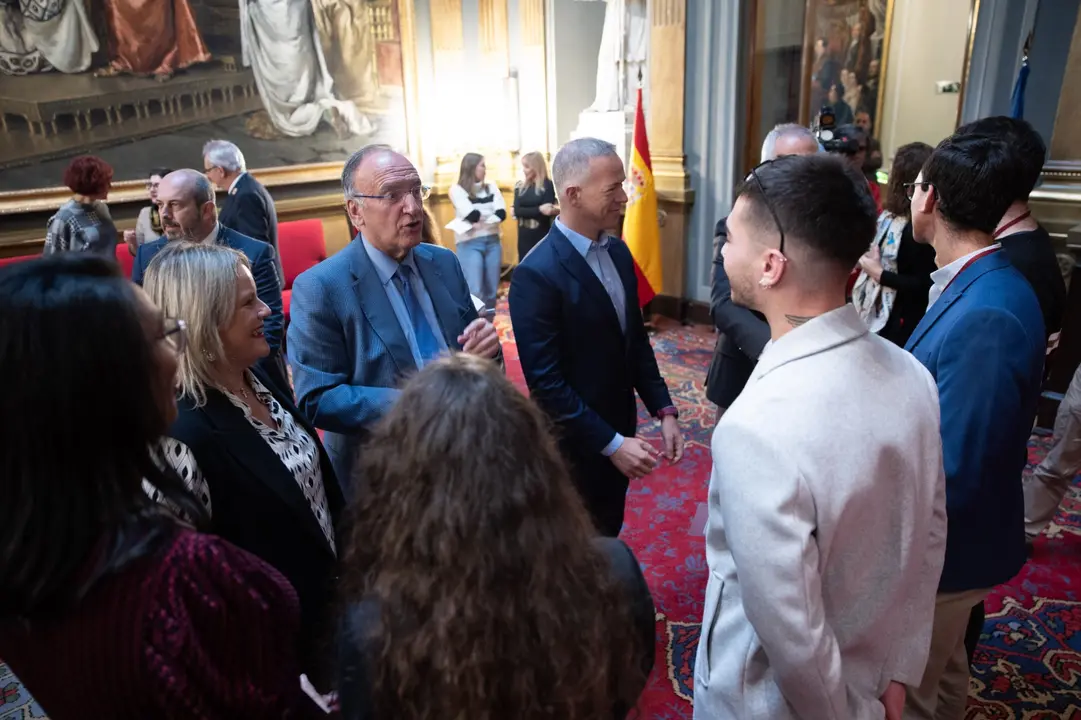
x,y
302,246
124,257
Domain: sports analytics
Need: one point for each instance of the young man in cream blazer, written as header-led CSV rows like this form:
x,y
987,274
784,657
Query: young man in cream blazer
x,y
827,517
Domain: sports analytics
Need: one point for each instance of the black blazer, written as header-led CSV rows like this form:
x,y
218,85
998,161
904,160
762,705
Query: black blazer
x,y
527,202
743,333
359,619
249,209
912,281
258,506
581,368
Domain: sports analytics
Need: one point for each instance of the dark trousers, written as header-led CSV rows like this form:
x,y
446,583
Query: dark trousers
x,y
603,489
975,628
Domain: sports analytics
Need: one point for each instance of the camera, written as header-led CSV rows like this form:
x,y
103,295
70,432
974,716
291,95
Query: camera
x,y
842,140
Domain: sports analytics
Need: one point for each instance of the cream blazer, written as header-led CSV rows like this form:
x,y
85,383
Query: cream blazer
x,y
826,531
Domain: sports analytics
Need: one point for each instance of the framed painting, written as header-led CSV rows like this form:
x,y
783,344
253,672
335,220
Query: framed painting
x,y
846,44
298,85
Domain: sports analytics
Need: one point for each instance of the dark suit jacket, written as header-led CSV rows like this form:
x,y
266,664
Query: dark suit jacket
x,y
361,618
743,333
347,349
249,209
983,341
258,506
261,257
581,368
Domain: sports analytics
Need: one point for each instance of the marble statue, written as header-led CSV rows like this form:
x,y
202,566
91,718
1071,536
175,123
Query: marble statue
x,y
622,55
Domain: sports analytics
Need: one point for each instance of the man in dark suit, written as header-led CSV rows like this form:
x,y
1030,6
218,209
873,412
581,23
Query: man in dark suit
x,y
247,206
983,341
377,310
188,212
743,332
581,338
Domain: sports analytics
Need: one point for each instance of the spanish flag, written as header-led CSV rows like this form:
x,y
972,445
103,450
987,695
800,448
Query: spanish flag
x,y
641,231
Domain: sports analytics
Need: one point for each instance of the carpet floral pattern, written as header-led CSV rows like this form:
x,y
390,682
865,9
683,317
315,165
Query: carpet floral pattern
x,y
1027,667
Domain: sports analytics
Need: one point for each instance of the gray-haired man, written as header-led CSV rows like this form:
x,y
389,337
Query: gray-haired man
x,y
581,339
247,206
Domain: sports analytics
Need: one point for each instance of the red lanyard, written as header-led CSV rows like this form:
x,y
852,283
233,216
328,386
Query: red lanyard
x,y
1020,218
974,258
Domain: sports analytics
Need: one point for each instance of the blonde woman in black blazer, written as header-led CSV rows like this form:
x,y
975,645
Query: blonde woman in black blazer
x,y
535,204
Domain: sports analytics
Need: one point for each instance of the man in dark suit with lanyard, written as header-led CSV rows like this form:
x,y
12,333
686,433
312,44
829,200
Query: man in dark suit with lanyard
x,y
581,339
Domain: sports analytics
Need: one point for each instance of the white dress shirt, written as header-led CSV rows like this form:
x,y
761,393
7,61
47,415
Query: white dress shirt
x,y
945,275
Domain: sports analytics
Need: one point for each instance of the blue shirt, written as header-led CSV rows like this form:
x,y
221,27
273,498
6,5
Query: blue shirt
x,y
600,262
385,268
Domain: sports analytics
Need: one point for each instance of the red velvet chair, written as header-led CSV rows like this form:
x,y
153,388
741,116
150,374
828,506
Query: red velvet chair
x,y
125,258
302,246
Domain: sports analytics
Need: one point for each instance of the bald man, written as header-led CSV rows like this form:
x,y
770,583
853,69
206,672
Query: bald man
x,y
378,310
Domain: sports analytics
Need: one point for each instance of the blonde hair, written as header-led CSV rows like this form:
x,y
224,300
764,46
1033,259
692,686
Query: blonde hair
x,y
467,174
197,284
537,163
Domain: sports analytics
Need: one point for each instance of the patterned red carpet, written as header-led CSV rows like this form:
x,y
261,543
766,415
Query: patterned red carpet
x,y
1028,666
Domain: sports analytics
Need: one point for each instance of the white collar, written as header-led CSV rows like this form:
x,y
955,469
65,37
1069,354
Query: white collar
x,y
212,238
945,275
232,185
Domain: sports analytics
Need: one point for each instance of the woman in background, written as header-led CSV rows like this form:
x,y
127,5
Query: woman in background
x,y
479,206
83,223
534,203
239,441
895,274
109,608
476,587
148,225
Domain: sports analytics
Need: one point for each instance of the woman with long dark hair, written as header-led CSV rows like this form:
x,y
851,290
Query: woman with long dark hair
x,y
475,585
895,274
108,606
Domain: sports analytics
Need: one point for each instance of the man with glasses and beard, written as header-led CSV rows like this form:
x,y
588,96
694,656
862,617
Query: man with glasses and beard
x,y
827,519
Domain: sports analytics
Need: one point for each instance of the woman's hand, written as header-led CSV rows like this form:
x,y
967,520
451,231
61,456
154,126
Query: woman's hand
x,y
871,263
546,208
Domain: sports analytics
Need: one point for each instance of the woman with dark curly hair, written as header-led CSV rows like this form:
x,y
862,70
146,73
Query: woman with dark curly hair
x,y
476,587
895,274
83,224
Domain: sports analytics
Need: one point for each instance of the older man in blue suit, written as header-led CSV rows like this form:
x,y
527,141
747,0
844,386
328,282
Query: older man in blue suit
x,y
983,340
188,212
377,310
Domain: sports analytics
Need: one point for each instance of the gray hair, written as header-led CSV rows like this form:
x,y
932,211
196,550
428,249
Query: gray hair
x,y
225,155
197,283
201,189
571,163
354,162
784,130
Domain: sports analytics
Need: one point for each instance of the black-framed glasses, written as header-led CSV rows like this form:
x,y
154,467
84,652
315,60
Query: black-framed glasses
x,y
765,199
175,333
419,193
910,188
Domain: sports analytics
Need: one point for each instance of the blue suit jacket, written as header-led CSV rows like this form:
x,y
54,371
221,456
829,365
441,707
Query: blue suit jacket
x,y
347,349
983,341
581,368
261,257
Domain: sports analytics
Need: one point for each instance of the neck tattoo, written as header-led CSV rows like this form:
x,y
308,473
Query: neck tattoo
x,y
797,320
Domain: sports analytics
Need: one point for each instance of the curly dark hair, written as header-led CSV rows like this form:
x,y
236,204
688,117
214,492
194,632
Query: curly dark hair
x,y
907,164
88,175
471,539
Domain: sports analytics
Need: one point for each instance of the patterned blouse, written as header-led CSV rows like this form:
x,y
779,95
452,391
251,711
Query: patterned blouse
x,y
81,228
290,442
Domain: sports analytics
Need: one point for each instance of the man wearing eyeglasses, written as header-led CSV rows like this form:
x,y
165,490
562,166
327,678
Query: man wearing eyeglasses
x,y
983,340
378,310
826,502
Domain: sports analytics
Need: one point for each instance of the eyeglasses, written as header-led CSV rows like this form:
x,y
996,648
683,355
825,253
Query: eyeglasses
x,y
910,188
420,193
765,199
152,186
175,333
